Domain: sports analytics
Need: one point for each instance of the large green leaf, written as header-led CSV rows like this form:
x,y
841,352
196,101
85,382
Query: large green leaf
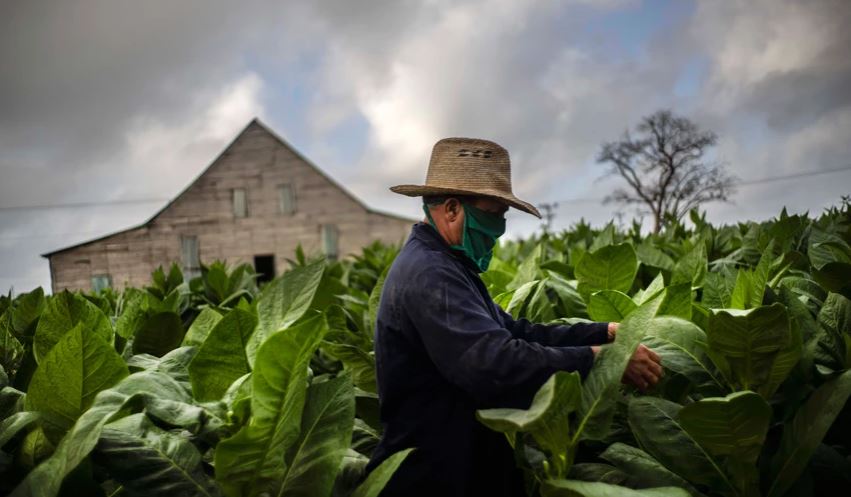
x,y
221,358
62,313
682,347
654,257
529,269
644,470
539,308
359,361
253,460
10,426
35,448
787,358
576,488
609,268
589,471
154,392
353,349
375,300
158,334
805,432
547,419
133,311
520,297
378,478
733,426
610,305
570,301
824,248
746,343
202,326
284,301
175,364
655,424
676,301
11,350
599,391
835,317
79,366
11,401
28,307
835,277
831,258
718,289
653,289
147,460
691,268
326,431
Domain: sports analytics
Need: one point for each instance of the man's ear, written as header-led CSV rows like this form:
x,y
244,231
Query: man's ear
x,y
453,209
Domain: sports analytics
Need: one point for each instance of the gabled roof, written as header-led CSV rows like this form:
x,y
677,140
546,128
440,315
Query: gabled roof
x,y
280,140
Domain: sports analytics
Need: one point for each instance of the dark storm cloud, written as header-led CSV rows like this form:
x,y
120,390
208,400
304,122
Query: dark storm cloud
x,y
104,99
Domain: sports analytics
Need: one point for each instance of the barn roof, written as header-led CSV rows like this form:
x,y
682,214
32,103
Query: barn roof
x,y
254,122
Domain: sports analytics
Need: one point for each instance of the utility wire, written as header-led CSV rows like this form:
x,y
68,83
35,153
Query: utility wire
x,y
554,205
53,235
81,204
569,200
792,176
757,181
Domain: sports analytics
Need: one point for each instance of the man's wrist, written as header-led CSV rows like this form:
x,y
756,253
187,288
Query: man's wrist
x,y
612,331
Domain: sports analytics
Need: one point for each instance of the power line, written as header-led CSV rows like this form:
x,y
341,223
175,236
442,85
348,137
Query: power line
x,y
757,181
81,204
51,235
792,176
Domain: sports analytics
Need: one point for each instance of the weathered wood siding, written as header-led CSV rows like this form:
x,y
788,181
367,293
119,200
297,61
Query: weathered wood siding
x,y
258,162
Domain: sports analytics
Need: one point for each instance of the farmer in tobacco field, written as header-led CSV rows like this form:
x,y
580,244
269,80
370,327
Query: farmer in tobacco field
x,y
443,347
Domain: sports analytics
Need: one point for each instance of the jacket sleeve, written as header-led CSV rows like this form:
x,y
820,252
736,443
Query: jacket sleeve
x,y
473,351
557,335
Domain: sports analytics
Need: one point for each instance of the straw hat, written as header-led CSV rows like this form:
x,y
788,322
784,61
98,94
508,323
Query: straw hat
x,y
468,166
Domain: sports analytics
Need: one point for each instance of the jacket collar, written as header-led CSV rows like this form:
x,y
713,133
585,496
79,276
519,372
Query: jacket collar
x,y
428,236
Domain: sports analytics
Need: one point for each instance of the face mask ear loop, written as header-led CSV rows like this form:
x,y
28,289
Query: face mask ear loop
x,y
464,227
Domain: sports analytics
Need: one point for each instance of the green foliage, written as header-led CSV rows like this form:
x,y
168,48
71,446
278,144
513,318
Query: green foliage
x,y
221,358
254,460
216,387
145,459
284,301
63,387
612,267
61,314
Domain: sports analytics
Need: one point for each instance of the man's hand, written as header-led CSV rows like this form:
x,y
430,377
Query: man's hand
x,y
644,369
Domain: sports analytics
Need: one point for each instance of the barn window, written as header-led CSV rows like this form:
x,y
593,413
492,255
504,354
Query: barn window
x,y
190,257
240,204
264,266
330,239
101,282
286,199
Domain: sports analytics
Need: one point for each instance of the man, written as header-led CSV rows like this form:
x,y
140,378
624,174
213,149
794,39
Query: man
x,y
444,349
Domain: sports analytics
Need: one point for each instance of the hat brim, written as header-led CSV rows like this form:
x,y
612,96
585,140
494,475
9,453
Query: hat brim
x,y
424,190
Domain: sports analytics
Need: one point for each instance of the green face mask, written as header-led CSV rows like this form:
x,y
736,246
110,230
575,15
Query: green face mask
x,y
481,230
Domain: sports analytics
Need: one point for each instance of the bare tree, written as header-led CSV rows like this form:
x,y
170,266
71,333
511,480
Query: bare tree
x,y
665,169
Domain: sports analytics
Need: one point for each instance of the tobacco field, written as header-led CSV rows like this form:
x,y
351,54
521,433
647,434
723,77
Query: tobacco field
x,y
216,387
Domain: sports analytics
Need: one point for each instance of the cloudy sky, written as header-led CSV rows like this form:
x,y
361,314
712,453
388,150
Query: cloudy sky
x,y
104,101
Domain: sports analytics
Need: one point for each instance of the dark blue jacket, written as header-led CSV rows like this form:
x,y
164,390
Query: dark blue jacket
x,y
444,349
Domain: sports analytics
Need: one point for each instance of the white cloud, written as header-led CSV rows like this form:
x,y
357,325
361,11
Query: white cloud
x,y
164,155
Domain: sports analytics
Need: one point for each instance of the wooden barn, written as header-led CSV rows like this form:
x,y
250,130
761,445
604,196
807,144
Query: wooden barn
x,y
256,202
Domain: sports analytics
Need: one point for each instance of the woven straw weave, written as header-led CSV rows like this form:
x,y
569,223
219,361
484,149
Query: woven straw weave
x,y
468,166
